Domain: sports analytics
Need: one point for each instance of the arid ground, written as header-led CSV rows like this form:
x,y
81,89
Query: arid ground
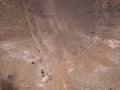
x,y
59,44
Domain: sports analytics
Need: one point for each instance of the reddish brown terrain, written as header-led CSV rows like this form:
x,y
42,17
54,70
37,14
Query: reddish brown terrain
x,y
59,45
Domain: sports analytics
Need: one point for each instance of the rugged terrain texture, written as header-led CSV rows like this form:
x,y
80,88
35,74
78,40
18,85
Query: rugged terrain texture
x,y
59,45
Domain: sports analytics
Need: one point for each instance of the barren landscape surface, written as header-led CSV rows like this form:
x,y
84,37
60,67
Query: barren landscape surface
x,y
59,44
